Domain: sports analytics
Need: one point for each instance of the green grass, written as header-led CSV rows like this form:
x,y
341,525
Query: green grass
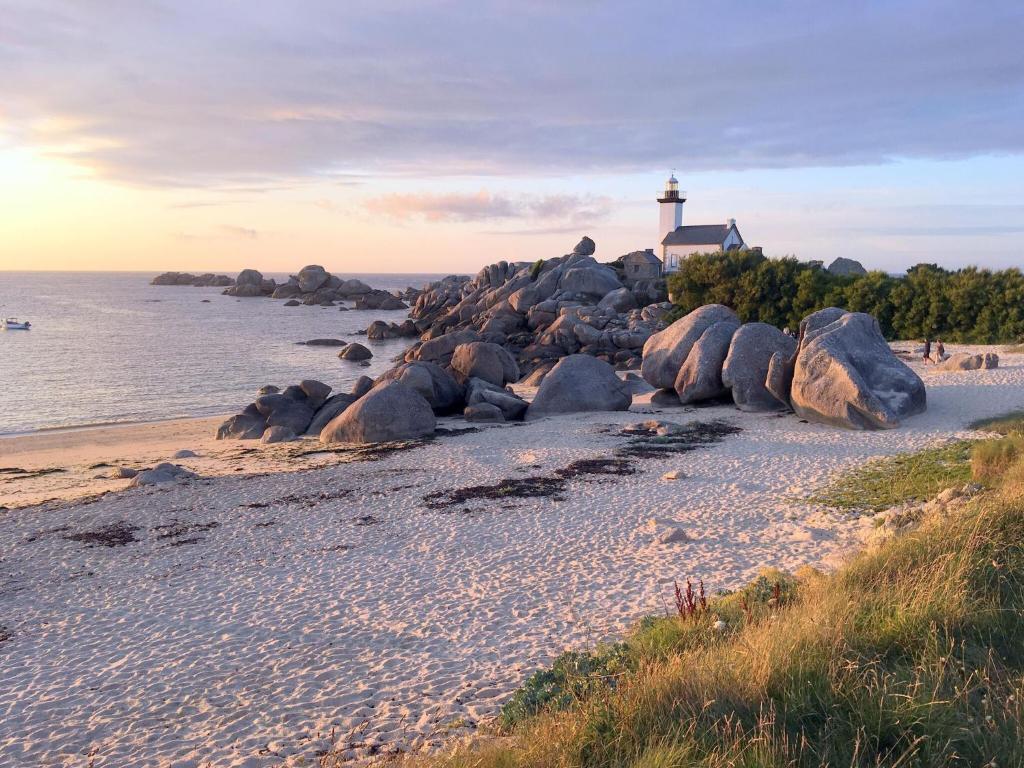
x,y
910,656
1003,425
886,482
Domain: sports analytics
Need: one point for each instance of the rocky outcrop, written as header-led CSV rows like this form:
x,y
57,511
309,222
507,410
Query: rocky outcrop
x,y
250,283
186,278
746,366
846,375
541,311
390,411
843,266
580,383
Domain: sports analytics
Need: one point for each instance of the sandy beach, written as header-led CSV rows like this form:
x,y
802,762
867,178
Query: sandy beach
x,y
294,600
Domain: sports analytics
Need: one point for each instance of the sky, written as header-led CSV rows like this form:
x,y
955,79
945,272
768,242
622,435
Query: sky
x,y
433,136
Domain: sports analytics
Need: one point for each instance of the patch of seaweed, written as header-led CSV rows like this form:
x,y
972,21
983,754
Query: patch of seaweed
x,y
367,520
5,634
647,444
597,467
177,529
116,534
184,542
518,488
369,452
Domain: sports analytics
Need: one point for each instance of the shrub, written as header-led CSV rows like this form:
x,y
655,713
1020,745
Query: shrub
x,y
968,305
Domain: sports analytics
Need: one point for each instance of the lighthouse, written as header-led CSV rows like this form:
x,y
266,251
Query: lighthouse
x,y
670,205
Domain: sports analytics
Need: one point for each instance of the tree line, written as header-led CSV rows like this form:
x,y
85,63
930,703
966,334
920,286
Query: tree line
x,y
968,305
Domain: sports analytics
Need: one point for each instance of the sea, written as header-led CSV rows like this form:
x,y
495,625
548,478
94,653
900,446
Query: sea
x,y
109,348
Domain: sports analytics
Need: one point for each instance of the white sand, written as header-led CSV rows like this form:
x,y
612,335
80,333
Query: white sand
x,y
255,642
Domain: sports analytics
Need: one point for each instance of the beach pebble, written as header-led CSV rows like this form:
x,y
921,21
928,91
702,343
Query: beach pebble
x,y
666,531
184,454
674,474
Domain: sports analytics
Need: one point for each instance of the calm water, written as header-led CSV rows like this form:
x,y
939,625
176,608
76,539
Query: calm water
x,y
109,347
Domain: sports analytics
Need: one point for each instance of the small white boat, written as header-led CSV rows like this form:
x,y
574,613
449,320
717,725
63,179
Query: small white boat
x,y
13,324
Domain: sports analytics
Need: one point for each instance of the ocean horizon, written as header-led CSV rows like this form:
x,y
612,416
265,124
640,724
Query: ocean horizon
x,y
109,348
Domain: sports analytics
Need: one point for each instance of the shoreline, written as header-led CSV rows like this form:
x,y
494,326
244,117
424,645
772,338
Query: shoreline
x,y
106,425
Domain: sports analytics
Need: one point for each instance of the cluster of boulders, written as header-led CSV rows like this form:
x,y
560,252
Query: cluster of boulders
x,y
967,362
315,286
841,371
404,402
541,312
281,415
187,278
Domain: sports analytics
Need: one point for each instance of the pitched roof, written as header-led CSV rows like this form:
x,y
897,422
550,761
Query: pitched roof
x,y
698,234
647,256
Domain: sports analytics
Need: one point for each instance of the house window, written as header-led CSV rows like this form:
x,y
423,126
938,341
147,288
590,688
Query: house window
x,y
636,267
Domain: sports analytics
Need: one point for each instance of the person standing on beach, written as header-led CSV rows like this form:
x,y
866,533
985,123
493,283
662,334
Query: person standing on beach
x,y
927,351
940,351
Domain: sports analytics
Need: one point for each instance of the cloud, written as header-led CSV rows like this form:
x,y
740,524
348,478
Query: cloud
x,y
200,94
242,233
485,206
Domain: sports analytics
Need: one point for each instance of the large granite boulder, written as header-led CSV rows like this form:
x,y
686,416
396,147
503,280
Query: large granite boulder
x,y
390,411
592,279
966,362
433,382
844,266
278,434
247,425
328,411
290,408
162,473
585,247
316,392
846,375
745,369
441,348
482,360
620,300
700,375
512,406
484,413
580,383
312,277
665,352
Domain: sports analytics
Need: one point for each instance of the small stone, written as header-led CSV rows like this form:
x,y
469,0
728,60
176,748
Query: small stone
x,y
185,454
674,474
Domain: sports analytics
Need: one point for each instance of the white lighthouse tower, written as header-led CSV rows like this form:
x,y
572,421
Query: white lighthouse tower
x,y
671,209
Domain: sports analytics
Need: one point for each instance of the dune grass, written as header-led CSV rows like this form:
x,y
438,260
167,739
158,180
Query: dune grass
x,y
1014,349
909,656
889,481
1003,425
